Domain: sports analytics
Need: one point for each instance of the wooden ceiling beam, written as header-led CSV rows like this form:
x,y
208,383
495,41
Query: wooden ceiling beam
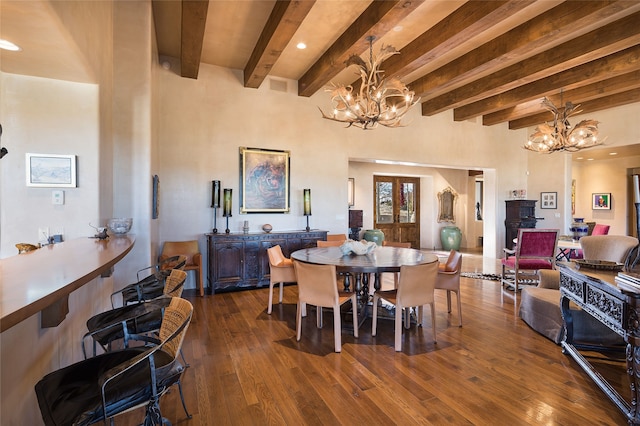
x,y
532,113
194,18
593,45
285,19
547,29
466,22
378,19
610,66
598,104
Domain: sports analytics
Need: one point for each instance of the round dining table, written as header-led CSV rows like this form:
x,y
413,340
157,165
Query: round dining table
x,y
382,259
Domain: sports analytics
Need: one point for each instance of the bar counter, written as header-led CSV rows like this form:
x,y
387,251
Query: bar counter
x,y
41,279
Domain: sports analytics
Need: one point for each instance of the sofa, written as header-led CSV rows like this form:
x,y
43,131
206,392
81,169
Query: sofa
x,y
540,305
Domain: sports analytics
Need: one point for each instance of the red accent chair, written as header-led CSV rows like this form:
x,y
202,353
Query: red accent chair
x,y
535,249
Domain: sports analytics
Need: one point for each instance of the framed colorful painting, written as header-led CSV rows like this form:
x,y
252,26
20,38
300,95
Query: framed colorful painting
x,y
601,201
264,180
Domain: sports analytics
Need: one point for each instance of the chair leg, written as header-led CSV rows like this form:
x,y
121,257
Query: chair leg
x,y
281,286
433,320
182,399
270,306
459,308
298,321
337,328
407,317
199,285
374,319
449,301
398,328
319,323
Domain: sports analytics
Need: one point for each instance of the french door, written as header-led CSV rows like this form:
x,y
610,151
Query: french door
x,y
397,208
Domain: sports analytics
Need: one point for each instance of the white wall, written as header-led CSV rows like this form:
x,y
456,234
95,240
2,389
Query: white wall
x,y
203,122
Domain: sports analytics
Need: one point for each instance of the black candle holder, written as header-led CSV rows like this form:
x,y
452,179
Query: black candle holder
x,y
226,231
215,202
307,228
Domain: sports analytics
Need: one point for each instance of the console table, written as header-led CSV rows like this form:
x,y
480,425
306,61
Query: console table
x,y
240,261
597,294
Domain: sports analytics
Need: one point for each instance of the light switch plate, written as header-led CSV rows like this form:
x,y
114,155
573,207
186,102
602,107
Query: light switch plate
x,y
57,197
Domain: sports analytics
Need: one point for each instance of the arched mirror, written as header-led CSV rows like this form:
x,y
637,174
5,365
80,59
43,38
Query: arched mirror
x,y
446,204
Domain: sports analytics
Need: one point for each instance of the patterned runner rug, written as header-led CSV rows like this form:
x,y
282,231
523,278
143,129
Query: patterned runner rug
x,y
479,276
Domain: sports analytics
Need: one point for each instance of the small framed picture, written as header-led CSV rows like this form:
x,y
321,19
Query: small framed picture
x,y
51,170
601,201
548,200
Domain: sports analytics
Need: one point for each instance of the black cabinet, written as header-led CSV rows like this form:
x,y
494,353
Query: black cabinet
x,y
520,214
240,261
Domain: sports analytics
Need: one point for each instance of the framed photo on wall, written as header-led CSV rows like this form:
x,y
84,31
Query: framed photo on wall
x,y
601,201
264,180
548,200
51,170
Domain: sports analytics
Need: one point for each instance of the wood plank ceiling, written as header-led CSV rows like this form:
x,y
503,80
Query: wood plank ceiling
x,y
492,59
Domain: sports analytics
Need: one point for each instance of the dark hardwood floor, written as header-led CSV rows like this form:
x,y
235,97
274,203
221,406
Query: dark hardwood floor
x,y
246,367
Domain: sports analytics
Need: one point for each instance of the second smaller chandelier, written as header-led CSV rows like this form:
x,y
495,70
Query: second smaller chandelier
x,y
560,136
378,100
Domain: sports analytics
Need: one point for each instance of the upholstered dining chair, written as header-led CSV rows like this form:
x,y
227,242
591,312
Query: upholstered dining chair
x,y
331,243
535,249
337,237
128,320
194,258
396,275
318,286
415,289
152,285
449,279
104,386
281,271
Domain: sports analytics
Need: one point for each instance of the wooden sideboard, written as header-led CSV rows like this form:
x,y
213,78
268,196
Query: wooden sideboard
x,y
240,261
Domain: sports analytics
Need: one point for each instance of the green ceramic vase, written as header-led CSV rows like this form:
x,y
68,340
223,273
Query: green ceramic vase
x,y
450,236
374,235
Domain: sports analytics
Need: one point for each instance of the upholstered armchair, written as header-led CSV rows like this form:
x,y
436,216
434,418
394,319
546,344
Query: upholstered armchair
x,y
194,258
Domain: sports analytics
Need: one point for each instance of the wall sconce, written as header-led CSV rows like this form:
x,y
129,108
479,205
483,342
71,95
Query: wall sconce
x,y
307,205
351,192
215,202
226,212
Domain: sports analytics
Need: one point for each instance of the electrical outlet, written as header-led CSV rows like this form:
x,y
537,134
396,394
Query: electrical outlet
x,y
57,197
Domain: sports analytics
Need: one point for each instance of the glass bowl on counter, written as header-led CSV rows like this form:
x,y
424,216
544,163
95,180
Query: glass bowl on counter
x,y
120,226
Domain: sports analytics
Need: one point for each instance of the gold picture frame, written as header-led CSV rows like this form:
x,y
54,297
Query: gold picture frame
x,y
264,180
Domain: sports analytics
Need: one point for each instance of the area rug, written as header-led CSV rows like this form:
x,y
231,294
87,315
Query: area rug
x,y
479,276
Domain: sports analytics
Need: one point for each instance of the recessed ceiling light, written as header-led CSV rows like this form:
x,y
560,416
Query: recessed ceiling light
x,y
613,153
589,159
301,46
7,45
398,28
579,158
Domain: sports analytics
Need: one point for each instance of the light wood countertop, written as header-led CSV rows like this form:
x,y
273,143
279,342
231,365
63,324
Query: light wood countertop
x,y
32,282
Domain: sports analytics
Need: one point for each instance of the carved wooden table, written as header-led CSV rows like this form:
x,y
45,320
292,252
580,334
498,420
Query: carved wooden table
x,y
596,293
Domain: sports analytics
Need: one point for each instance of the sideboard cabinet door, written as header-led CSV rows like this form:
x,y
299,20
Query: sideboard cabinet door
x,y
240,261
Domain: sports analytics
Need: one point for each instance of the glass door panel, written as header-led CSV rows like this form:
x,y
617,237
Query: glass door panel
x,y
384,202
